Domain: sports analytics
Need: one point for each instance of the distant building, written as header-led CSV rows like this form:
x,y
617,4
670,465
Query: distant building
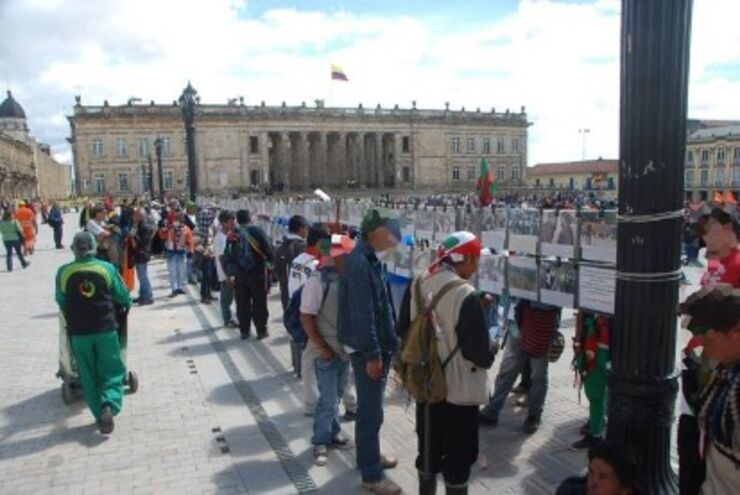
x,y
712,162
243,147
598,176
27,168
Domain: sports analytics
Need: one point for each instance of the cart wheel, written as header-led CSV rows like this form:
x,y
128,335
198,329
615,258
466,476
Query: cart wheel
x,y
133,382
68,396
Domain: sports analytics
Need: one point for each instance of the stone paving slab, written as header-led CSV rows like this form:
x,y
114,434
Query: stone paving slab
x,y
211,409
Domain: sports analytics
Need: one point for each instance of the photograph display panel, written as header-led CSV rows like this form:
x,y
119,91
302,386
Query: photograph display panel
x,y
558,233
521,273
424,225
558,283
599,236
444,224
524,230
492,273
401,261
493,228
596,288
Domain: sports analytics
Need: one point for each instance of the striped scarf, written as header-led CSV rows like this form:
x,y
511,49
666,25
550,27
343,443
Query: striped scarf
x,y
720,410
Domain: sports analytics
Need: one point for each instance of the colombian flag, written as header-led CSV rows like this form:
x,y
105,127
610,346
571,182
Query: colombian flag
x,y
337,74
486,184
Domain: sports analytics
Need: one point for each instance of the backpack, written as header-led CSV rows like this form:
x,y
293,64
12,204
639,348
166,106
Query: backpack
x,y
239,255
292,314
420,369
288,250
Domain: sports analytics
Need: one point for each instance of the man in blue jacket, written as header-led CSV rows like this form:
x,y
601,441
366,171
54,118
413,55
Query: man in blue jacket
x,y
366,329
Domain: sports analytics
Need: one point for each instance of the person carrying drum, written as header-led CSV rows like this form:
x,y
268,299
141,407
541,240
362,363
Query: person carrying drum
x,y
87,292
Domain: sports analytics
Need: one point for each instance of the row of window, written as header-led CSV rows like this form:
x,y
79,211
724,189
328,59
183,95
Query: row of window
x,y
122,147
719,156
720,178
472,172
123,183
486,145
587,185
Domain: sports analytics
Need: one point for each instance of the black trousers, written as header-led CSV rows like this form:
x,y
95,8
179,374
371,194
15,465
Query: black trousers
x,y
691,467
207,274
250,293
453,441
58,230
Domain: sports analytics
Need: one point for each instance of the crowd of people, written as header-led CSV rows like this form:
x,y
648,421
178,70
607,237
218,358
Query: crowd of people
x,y
19,227
348,332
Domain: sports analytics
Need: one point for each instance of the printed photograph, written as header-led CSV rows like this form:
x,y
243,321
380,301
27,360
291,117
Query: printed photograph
x,y
599,236
401,261
424,225
522,277
444,224
492,273
558,283
558,233
524,230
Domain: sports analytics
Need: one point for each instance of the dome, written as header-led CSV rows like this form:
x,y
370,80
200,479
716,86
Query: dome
x,y
11,109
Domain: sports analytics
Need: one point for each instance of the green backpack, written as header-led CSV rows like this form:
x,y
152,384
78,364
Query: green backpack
x,y
419,367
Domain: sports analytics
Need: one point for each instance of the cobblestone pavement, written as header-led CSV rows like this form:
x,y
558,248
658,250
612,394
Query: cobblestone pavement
x,y
215,414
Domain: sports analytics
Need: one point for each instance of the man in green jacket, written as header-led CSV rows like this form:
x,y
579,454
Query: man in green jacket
x,y
88,291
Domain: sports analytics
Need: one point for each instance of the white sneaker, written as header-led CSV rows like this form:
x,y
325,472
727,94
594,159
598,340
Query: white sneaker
x,y
383,487
320,455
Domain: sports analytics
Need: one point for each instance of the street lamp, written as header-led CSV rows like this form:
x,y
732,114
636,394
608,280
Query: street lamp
x,y
653,100
160,174
188,100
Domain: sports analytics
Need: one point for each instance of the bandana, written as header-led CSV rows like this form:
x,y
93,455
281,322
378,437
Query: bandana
x,y
456,247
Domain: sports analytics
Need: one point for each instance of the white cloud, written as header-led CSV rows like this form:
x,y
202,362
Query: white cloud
x,y
560,60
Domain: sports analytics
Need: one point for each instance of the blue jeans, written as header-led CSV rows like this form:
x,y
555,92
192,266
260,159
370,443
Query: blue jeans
x,y
226,297
9,247
176,270
331,377
369,417
145,287
511,367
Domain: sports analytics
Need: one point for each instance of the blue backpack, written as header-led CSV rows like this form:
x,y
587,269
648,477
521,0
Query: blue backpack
x,y
239,253
292,314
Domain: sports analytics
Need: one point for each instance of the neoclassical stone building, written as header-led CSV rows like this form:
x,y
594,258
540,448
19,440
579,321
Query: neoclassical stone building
x,y
27,168
293,148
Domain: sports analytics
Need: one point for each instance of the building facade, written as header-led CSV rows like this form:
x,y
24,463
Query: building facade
x,y
242,148
27,168
712,162
597,176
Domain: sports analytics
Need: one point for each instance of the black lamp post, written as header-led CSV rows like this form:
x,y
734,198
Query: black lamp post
x,y
188,100
151,176
160,174
654,87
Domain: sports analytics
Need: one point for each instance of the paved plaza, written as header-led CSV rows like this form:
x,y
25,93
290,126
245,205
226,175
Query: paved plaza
x,y
215,414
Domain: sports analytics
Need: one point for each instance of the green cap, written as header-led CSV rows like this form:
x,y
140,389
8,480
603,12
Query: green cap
x,y
381,217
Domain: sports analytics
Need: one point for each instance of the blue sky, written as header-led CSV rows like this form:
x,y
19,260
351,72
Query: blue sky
x,y
560,59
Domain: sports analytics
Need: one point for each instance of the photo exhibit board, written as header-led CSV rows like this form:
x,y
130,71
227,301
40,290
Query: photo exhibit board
x,y
492,273
424,225
558,233
444,224
558,283
598,236
493,228
356,213
401,260
521,274
524,230
596,288
407,220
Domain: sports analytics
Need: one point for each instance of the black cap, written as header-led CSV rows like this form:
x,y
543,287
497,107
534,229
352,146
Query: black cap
x,y
296,223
